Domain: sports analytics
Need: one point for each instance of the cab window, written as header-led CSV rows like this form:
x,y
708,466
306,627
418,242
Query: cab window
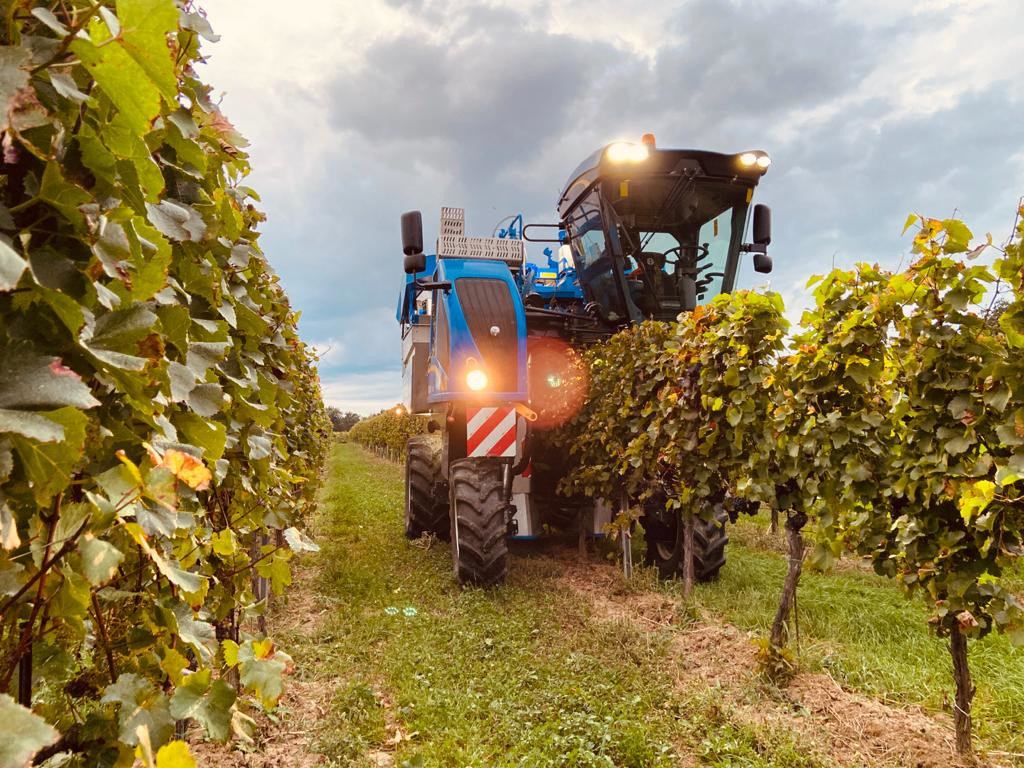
x,y
594,262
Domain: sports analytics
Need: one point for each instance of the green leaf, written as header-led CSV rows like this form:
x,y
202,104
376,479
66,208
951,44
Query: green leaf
x,y
99,560
49,466
211,436
260,447
204,355
183,381
28,380
61,194
12,266
140,705
176,220
957,445
958,236
206,399
174,573
65,85
25,733
145,25
13,77
299,541
46,16
262,670
210,705
199,634
31,425
911,220
120,77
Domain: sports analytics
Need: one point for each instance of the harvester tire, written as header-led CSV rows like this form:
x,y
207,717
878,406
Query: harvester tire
x,y
664,536
425,512
479,529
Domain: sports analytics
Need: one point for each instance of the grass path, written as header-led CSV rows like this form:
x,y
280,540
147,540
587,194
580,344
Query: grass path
x,y
567,665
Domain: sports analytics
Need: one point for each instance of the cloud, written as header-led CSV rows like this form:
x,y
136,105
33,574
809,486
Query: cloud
x,y
362,393
870,109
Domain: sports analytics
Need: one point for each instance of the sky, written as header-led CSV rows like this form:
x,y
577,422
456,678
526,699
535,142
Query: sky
x,y
358,110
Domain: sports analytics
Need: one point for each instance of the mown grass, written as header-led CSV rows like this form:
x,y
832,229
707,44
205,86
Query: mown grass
x,y
517,676
867,635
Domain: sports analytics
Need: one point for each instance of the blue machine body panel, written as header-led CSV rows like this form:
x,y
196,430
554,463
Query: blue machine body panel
x,y
445,378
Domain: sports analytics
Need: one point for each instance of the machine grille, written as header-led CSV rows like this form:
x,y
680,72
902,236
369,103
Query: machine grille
x,y
487,303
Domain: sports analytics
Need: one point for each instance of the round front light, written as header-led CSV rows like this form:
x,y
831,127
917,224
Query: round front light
x,y
476,380
748,158
764,161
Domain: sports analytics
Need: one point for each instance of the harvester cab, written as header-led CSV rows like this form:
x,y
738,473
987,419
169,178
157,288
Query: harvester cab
x,y
490,342
656,232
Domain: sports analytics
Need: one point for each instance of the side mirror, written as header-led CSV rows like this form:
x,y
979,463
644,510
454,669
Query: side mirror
x,y
414,263
762,225
762,263
412,233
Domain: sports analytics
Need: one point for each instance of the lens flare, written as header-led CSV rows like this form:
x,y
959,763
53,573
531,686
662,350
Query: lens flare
x,y
476,380
558,381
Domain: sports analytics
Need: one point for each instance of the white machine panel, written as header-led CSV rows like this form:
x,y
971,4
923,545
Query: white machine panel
x,y
452,242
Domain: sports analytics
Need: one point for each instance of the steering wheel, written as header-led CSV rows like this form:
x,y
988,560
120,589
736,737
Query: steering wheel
x,y
700,250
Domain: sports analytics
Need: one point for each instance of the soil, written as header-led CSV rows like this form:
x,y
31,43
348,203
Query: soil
x,y
288,740
846,727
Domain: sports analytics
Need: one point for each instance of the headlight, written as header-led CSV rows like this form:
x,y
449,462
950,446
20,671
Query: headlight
x,y
760,159
627,152
476,380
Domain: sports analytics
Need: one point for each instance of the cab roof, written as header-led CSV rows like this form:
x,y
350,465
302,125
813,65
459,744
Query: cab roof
x,y
597,166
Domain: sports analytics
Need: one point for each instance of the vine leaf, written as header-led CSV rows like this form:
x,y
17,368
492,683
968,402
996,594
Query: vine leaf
x,y
141,706
36,381
12,266
175,755
25,734
135,68
210,704
13,77
99,559
31,425
49,465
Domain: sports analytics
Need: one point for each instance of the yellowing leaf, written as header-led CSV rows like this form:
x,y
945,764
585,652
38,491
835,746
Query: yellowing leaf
x,y
175,754
187,468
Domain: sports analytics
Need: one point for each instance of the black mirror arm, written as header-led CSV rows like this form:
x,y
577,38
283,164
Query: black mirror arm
x,y
433,285
754,248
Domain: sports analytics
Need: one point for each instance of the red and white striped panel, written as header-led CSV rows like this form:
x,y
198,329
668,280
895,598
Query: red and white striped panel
x,y
491,431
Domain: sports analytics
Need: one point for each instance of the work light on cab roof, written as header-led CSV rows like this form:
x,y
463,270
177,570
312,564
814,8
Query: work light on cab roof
x,y
491,342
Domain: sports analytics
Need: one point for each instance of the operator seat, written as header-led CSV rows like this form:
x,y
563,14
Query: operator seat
x,y
664,283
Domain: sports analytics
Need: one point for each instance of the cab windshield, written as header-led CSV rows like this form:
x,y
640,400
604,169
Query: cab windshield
x,y
680,236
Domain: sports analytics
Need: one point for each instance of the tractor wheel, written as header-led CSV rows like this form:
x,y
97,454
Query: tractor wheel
x,y
425,512
663,532
478,527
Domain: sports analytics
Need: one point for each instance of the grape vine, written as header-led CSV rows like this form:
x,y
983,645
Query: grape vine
x,y
891,424
161,425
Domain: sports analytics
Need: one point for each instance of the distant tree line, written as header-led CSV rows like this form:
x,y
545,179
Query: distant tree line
x,y
342,422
